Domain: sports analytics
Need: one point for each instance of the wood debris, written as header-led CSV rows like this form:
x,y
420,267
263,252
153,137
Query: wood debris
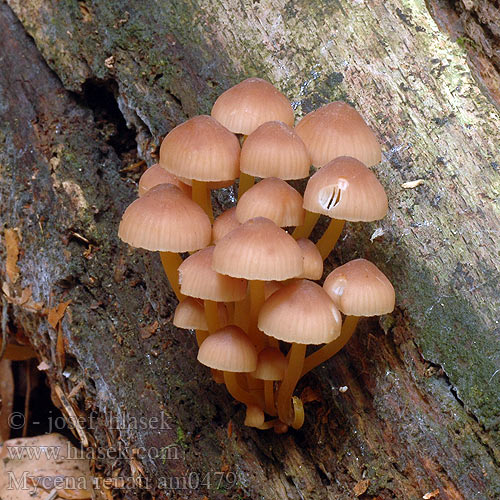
x,y
361,487
11,241
431,494
412,184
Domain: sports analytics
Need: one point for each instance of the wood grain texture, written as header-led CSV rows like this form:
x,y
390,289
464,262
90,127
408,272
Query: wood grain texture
x,y
421,410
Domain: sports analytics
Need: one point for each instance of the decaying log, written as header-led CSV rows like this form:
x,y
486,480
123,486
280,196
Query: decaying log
x,y
421,410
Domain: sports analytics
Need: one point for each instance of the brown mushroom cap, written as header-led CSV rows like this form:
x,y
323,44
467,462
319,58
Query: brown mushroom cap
x,y
229,349
337,129
190,314
201,149
359,288
258,250
271,365
275,150
300,312
164,219
155,175
274,199
198,279
250,103
347,190
313,262
224,224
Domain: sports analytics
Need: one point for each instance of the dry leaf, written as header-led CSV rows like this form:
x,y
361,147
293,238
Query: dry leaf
x,y
309,395
55,315
230,429
46,462
431,494
25,301
361,487
6,397
12,246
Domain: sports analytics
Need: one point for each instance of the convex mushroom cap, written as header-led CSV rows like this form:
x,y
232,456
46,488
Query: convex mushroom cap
x,y
274,199
300,312
271,365
164,219
313,262
198,279
337,129
201,149
275,150
224,224
190,314
359,288
250,103
345,189
229,349
258,250
155,175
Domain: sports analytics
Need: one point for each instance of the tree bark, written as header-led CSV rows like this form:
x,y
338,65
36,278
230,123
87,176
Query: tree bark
x,y
421,410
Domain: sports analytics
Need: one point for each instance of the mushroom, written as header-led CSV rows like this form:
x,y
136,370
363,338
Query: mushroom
x,y
246,106
337,129
258,251
273,150
357,288
231,351
273,199
301,313
224,224
313,262
344,189
198,279
190,315
271,366
254,417
202,150
164,219
155,175
250,103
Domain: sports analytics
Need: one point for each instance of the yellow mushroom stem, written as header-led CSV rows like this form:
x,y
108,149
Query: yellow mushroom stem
x,y
306,228
241,310
298,413
257,298
217,375
171,262
292,376
269,397
238,393
246,182
201,196
230,313
201,335
327,351
327,242
211,315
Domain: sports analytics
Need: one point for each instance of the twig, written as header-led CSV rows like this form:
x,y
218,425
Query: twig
x,y
3,347
27,397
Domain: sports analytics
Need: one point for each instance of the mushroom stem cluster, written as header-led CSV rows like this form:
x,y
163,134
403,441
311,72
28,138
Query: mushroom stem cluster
x,y
248,286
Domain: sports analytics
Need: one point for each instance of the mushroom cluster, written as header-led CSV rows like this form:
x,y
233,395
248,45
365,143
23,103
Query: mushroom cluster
x,y
247,288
